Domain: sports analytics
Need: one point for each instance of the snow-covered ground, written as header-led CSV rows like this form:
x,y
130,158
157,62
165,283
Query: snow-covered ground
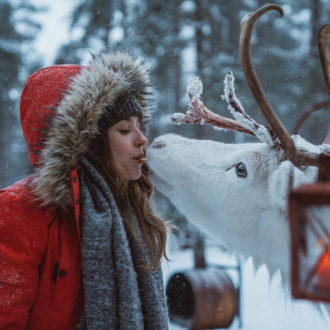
x,y
265,305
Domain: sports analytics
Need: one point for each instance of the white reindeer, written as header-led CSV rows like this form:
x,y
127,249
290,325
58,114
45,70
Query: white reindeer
x,y
237,193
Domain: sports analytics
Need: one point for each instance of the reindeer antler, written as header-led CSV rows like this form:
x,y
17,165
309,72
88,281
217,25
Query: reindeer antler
x,y
237,110
323,41
198,113
316,107
247,23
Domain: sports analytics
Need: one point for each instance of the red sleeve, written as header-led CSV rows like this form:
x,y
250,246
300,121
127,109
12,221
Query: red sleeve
x,y
23,239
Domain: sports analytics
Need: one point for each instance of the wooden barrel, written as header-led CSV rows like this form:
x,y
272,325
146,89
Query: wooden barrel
x,y
202,299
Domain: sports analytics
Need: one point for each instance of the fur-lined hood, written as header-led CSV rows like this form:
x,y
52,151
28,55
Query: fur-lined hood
x,y
60,108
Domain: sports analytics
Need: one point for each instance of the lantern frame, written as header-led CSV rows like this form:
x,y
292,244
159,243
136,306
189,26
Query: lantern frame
x,y
300,199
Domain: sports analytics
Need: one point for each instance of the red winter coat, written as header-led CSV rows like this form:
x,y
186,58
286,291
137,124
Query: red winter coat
x,y
40,282
40,266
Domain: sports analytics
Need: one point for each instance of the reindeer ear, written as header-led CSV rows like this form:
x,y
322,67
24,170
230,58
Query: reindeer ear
x,y
278,185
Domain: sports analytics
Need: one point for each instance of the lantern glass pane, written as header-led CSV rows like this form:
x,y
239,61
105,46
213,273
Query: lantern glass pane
x,y
314,252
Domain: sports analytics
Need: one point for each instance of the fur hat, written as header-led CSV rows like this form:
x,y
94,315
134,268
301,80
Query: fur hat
x,y
60,111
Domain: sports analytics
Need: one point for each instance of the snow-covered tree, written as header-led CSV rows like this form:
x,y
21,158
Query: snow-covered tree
x,y
17,31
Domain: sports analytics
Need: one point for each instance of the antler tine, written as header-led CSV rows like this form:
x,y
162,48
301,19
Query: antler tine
x,y
247,23
198,113
305,115
323,41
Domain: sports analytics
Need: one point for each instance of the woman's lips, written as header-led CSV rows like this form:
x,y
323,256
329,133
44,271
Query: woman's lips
x,y
141,158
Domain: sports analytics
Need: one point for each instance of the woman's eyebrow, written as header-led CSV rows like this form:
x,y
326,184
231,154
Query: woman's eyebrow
x,y
131,120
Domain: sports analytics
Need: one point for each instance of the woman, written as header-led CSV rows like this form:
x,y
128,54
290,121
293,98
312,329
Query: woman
x,y
79,244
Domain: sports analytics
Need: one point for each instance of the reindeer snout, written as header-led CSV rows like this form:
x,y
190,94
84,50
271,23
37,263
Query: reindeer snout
x,y
158,144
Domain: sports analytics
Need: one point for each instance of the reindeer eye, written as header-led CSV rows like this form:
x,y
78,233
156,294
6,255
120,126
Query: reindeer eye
x,y
241,170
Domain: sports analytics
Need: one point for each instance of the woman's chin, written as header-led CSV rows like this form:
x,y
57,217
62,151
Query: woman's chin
x,y
134,175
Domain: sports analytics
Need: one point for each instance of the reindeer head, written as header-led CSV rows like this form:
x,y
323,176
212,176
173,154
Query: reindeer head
x,y
211,180
236,192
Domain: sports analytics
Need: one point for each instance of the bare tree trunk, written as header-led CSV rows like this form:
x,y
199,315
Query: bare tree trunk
x,y
199,35
199,252
107,12
199,50
316,24
177,63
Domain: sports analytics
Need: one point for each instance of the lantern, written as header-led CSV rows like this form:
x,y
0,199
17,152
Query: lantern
x,y
309,213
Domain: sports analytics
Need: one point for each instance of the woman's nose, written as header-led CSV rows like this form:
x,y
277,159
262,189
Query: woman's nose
x,y
141,139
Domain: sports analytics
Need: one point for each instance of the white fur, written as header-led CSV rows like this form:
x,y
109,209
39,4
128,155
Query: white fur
x,y
248,215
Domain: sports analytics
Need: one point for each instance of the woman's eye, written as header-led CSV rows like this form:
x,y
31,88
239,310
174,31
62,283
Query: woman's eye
x,y
241,170
124,131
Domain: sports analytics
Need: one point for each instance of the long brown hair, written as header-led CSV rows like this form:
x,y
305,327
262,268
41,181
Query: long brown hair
x,y
135,193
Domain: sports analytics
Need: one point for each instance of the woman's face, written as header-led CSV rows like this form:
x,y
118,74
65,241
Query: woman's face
x,y
126,142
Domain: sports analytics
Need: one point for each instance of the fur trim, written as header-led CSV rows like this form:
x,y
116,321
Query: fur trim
x,y
76,120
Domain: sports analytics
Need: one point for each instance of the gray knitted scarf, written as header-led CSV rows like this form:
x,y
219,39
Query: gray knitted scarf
x,y
118,295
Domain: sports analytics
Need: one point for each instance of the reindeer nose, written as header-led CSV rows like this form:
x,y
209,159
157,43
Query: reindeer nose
x,y
158,144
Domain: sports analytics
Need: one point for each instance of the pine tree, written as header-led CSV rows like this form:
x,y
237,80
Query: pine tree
x,y
16,31
94,18
158,26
